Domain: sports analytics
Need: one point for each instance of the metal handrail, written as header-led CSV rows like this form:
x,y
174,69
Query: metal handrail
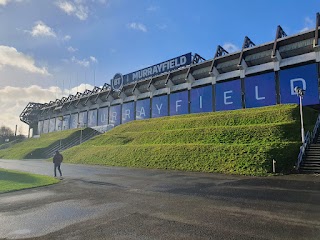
x,y
309,138
303,149
71,143
315,129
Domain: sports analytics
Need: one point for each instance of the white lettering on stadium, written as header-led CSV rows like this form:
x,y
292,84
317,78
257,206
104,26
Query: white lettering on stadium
x,y
165,66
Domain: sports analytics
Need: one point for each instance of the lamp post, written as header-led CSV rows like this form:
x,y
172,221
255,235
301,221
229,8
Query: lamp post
x,y
79,125
300,92
61,118
59,128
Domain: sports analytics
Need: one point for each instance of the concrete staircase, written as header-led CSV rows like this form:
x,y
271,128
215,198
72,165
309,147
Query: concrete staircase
x,y
311,160
80,137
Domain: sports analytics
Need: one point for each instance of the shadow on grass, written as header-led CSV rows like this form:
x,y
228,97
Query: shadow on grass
x,y
17,177
286,157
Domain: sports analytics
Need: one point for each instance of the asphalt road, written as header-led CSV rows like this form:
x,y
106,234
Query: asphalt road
x,y
95,202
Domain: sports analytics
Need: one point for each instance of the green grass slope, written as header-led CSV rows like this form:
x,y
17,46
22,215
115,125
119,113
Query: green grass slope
x,y
35,145
14,180
240,142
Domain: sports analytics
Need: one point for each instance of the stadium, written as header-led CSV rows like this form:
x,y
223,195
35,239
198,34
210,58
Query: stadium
x,y
159,120
256,76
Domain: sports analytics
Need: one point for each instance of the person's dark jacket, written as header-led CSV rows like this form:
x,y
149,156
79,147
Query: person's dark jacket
x,y
57,158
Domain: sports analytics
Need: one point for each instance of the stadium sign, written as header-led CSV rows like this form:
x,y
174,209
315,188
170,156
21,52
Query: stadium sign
x,y
118,81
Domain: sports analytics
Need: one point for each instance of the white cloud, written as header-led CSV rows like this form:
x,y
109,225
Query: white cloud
x,y
82,12
308,24
14,99
66,37
71,49
304,29
67,7
81,88
137,26
75,8
229,47
93,59
10,57
78,8
40,29
84,62
5,2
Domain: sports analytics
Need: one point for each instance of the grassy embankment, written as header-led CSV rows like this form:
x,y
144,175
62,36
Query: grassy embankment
x,y
33,147
240,142
237,142
13,180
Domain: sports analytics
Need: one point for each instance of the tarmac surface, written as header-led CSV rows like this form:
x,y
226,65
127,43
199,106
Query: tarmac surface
x,y
95,202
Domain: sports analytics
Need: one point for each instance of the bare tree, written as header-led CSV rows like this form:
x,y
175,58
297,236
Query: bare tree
x,y
5,131
7,135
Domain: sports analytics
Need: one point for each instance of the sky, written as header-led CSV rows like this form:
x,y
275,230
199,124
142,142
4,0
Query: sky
x,y
53,48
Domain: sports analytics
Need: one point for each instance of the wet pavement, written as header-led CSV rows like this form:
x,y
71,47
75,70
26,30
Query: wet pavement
x,y
95,202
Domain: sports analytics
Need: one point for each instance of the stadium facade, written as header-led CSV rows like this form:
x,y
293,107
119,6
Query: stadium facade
x,y
255,76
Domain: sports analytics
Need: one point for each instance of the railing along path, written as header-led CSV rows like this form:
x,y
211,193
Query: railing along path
x,y
309,138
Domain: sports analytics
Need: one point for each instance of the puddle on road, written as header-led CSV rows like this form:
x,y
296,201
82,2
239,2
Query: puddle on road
x,y
51,217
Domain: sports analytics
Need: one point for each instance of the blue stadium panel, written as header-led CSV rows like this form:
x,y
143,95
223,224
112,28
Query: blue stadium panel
x,y
59,124
201,99
260,90
66,122
115,115
52,124
143,109
127,112
46,126
228,95
304,77
160,106
92,118
74,121
103,115
179,103
40,127
83,119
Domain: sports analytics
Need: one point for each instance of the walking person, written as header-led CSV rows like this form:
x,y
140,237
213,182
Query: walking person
x,y
57,160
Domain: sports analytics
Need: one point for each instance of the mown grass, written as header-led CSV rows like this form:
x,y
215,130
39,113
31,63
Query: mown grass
x,y
265,115
14,180
24,148
238,159
206,135
241,142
